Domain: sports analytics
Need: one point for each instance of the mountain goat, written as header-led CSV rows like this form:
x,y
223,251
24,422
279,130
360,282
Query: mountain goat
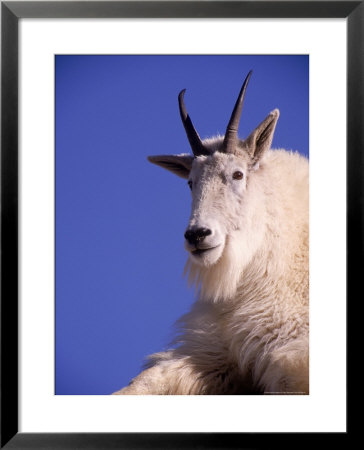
x,y
247,241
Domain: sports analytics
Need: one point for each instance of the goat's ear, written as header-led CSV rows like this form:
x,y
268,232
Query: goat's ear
x,y
260,140
178,164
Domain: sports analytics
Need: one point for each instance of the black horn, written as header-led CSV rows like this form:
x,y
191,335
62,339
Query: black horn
x,y
231,135
192,135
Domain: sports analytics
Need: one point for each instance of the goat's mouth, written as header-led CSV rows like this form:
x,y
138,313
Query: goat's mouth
x,y
206,256
201,251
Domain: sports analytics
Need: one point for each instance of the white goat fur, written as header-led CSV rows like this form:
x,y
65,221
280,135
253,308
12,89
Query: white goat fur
x,y
248,330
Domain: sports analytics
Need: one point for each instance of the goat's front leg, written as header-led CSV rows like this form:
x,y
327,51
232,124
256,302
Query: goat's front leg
x,y
168,376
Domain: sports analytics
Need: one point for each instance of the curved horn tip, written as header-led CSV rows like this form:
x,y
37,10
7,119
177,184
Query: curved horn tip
x,y
182,93
247,78
181,103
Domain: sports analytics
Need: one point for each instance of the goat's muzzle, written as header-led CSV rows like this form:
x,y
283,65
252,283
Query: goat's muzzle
x,y
195,236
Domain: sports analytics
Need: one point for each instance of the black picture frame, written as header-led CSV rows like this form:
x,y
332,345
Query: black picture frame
x,y
11,12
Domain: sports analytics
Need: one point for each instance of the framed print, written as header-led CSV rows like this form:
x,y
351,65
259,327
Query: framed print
x,y
89,91
136,79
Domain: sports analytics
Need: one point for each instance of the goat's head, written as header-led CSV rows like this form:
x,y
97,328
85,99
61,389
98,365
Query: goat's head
x,y
218,175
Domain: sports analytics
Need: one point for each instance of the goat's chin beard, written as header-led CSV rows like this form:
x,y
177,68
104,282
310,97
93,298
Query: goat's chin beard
x,y
215,274
207,258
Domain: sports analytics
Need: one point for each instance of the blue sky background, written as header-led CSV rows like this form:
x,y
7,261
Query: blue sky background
x,y
119,219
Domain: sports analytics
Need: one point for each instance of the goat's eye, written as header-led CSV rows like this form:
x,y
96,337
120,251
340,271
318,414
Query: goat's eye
x,y
190,184
238,175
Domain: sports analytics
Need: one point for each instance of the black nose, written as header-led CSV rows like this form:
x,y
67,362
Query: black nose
x,y
196,235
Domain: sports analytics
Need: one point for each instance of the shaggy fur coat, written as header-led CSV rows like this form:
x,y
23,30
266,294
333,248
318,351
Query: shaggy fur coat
x,y
248,331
